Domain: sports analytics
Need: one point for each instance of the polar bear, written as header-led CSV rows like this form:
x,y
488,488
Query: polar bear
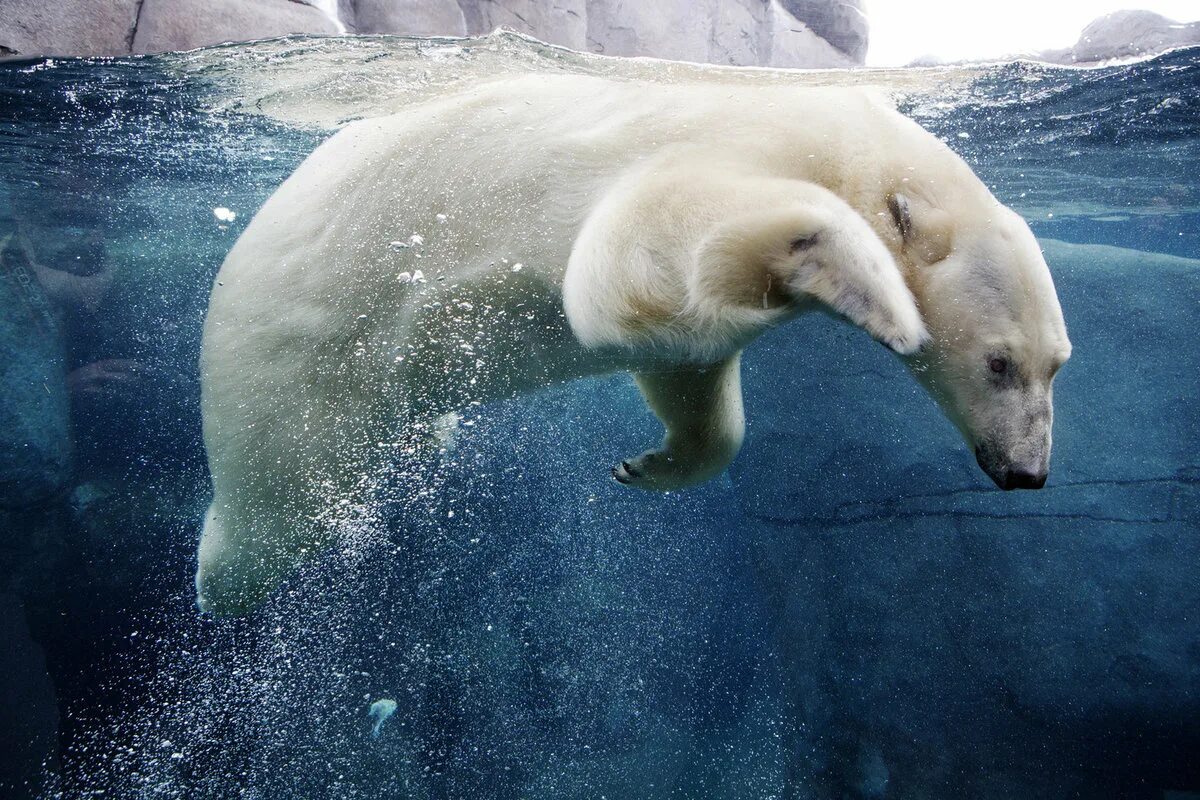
x,y
542,228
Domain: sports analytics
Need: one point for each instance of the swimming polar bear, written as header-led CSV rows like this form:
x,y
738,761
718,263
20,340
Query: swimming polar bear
x,y
543,228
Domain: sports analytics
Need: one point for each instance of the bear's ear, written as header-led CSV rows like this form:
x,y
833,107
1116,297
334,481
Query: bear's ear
x,y
925,229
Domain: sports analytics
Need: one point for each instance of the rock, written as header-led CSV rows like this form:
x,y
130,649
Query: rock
x,y
784,33
791,43
711,31
345,11
331,10
66,27
35,444
561,22
119,27
842,24
408,17
186,24
926,60
673,29
736,32
1124,34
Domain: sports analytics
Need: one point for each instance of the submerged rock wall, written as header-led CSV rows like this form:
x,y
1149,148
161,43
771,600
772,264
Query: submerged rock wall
x,y
975,643
860,609
784,33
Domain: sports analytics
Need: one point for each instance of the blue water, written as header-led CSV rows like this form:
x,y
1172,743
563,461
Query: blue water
x,y
850,612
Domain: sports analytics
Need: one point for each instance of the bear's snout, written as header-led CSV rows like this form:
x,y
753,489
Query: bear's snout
x,y
1020,479
1010,476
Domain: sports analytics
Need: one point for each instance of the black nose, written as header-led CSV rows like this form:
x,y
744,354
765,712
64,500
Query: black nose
x,y
1019,479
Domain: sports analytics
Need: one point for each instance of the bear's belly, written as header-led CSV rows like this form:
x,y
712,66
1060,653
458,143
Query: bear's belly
x,y
485,340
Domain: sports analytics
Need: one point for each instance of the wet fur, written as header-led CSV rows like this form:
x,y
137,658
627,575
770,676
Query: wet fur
x,y
569,226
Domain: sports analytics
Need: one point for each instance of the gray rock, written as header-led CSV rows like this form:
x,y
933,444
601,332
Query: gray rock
x,y
409,17
736,32
674,29
926,60
745,32
561,22
1125,34
842,23
792,43
186,24
66,27
119,27
786,33
345,10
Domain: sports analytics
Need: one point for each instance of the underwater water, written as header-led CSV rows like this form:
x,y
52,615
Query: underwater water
x,y
851,611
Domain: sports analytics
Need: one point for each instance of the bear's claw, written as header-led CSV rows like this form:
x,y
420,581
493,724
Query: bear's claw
x,y
624,473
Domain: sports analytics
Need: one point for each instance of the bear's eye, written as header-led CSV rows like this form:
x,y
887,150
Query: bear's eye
x,y
998,365
802,243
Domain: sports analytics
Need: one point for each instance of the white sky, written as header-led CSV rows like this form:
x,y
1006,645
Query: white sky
x,y
902,30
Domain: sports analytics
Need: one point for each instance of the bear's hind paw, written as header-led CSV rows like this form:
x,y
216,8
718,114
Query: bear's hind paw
x,y
625,473
655,470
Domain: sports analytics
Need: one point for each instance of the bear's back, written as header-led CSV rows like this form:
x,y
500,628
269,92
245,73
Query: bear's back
x,y
507,171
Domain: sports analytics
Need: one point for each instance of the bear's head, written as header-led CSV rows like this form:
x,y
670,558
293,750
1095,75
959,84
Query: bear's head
x,y
998,336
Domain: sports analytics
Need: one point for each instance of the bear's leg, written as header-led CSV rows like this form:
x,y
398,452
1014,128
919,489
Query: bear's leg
x,y
286,484
701,408
234,575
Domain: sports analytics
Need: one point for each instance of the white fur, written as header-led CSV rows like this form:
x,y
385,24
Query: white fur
x,y
564,226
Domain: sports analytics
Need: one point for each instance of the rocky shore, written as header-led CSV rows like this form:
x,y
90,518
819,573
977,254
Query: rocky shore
x,y
783,33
